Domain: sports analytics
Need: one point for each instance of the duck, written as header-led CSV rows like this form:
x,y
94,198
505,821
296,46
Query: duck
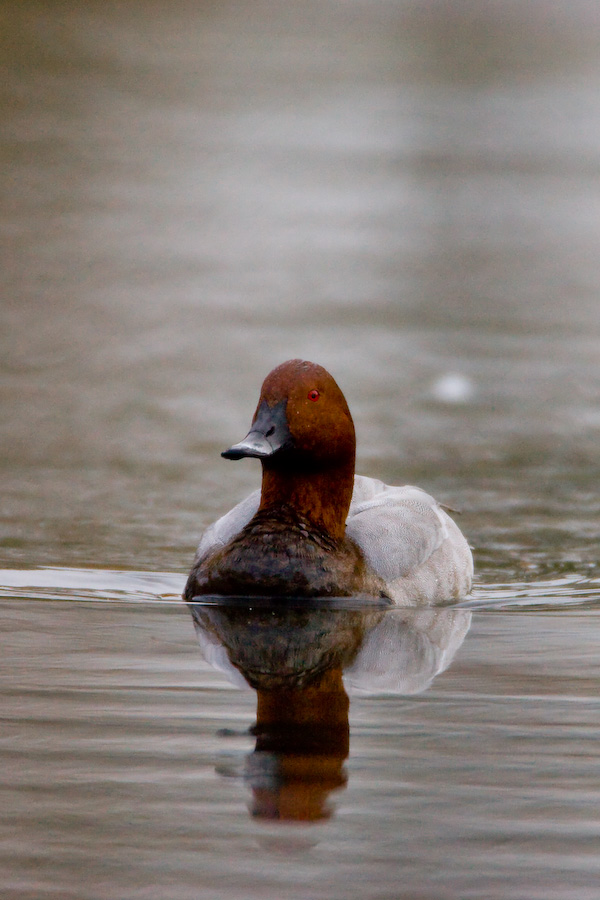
x,y
316,528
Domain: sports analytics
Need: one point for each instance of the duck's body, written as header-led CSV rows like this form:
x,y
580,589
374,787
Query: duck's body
x,y
315,529
405,539
278,554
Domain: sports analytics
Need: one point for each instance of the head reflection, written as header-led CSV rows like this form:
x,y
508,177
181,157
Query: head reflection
x,y
295,658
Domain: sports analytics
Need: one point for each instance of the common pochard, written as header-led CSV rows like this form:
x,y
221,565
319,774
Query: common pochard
x,y
317,529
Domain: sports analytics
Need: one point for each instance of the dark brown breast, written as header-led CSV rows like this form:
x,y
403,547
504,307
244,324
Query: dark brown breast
x,y
282,554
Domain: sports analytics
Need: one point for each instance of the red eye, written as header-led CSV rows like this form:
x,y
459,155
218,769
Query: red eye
x,y
313,395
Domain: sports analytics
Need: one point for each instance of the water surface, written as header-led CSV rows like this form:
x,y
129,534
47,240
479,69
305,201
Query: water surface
x,y
407,193
464,764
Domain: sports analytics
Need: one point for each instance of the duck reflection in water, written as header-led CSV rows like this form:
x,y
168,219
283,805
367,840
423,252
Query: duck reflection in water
x,y
301,662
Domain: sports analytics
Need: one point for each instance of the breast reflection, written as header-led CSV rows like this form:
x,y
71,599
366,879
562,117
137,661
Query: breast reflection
x,y
301,663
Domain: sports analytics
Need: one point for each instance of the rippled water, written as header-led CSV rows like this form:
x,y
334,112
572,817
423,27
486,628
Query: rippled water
x,y
408,194
464,765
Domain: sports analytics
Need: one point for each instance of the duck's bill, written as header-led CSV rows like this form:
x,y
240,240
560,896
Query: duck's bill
x,y
269,434
254,444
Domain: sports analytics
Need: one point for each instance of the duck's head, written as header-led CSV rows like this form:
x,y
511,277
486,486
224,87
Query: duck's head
x,y
302,421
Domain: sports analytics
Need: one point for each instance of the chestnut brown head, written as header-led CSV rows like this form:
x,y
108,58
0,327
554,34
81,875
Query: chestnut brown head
x,y
302,418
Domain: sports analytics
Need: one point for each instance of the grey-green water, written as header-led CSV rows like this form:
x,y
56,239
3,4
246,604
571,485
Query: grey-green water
x,y
409,194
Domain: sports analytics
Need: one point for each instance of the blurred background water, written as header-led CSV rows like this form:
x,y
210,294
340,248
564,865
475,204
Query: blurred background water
x,y
407,192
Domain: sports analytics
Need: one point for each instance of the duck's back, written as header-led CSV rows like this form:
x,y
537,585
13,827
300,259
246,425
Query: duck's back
x,y
410,541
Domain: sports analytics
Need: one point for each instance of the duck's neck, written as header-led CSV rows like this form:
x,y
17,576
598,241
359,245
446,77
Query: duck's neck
x,y
322,497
